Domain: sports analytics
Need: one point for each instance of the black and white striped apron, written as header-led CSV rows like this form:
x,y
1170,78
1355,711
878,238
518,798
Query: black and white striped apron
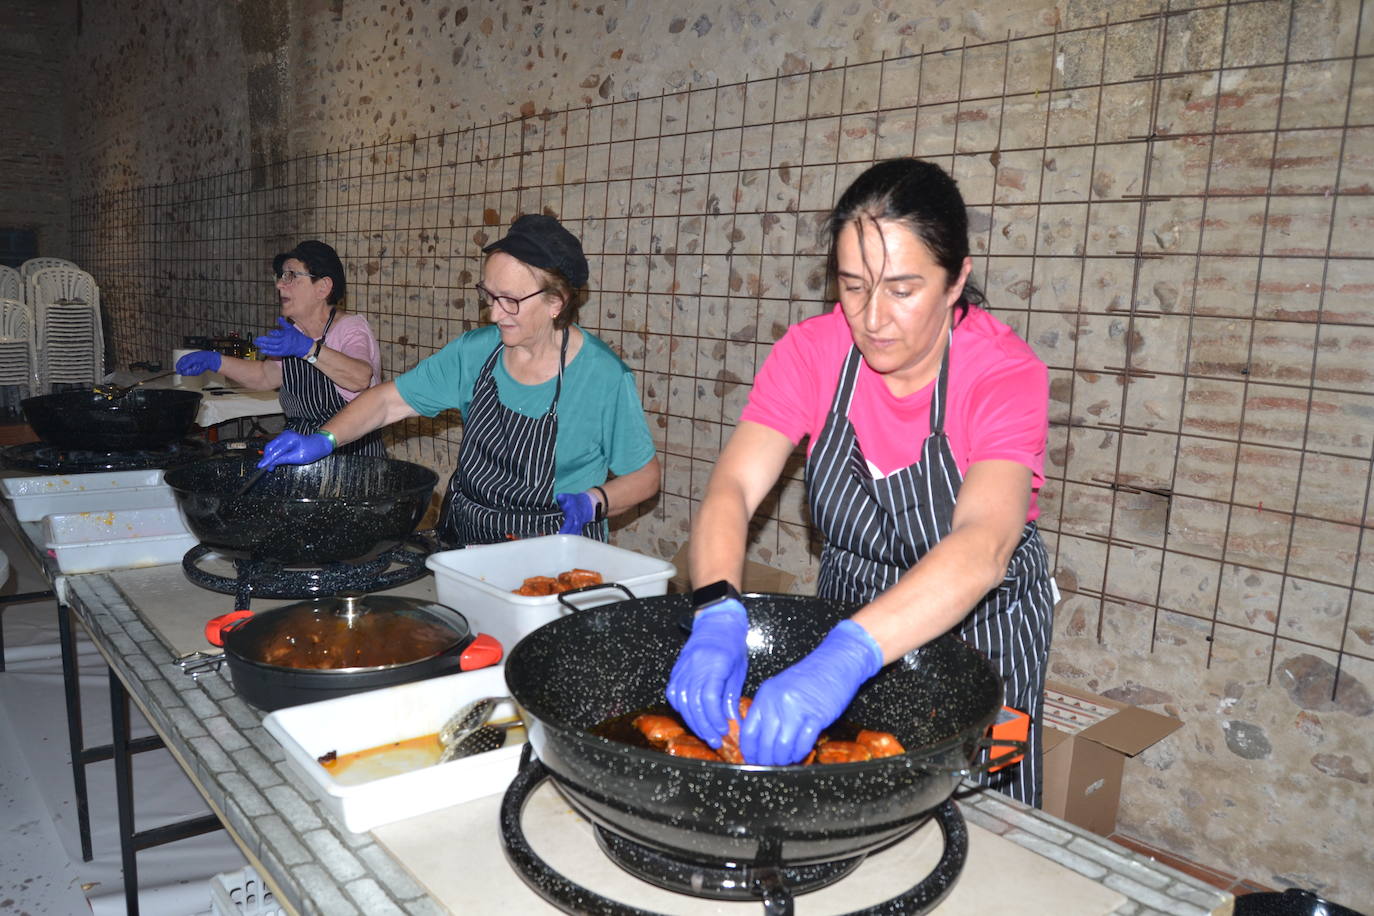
x,y
502,487
309,399
875,530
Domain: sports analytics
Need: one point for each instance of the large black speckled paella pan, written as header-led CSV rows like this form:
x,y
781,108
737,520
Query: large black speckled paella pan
x,y
342,508
84,419
581,670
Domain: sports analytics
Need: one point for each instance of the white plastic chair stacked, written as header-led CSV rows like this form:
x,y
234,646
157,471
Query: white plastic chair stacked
x,y
11,284
18,362
34,265
69,338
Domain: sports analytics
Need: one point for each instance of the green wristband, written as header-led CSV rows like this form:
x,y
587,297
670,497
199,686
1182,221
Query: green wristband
x,y
333,442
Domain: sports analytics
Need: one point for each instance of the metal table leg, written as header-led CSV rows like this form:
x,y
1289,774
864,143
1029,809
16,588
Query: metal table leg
x,y
131,841
124,791
81,755
75,736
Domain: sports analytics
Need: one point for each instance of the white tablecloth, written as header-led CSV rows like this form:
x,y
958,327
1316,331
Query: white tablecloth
x,y
216,408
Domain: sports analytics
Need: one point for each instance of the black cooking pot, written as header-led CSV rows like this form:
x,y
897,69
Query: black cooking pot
x,y
331,647
576,672
342,508
141,418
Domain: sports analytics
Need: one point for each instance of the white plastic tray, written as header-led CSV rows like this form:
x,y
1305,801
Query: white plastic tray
x,y
363,720
116,539
478,582
35,497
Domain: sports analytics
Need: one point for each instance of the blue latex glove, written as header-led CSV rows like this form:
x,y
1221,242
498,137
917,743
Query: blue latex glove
x,y
198,362
706,681
578,509
286,340
792,707
291,447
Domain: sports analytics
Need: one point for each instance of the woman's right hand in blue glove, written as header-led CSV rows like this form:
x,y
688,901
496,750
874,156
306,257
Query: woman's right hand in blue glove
x,y
791,707
292,448
709,674
198,362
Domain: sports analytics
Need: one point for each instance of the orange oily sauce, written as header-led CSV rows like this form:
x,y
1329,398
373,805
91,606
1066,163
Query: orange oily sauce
x,y
391,759
397,757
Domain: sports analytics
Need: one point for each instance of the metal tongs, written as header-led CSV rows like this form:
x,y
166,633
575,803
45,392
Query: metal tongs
x,y
197,663
468,732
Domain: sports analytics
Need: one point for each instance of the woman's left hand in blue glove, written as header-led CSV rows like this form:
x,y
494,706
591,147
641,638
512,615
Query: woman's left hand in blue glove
x,y
578,510
286,340
290,447
791,708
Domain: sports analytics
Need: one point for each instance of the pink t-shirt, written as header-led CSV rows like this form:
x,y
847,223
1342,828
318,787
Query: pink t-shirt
x,y
997,404
352,336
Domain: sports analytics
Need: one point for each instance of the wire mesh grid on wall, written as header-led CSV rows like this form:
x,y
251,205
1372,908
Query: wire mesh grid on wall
x,y
1173,209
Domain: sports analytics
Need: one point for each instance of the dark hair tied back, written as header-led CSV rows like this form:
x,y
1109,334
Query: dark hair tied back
x,y
918,194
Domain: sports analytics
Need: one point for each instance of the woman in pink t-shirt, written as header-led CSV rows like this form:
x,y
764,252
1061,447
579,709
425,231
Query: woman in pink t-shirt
x,y
319,358
926,420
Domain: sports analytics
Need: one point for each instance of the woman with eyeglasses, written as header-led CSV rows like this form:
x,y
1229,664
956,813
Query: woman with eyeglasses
x,y
320,359
554,435
927,420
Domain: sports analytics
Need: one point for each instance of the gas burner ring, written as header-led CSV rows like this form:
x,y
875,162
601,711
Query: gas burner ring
x,y
571,897
395,567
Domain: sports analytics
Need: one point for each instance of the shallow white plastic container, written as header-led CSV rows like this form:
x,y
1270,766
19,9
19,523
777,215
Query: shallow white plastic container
x,y
478,582
364,720
83,542
35,497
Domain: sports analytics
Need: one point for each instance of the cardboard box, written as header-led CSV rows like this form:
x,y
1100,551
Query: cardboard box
x,y
758,577
1087,739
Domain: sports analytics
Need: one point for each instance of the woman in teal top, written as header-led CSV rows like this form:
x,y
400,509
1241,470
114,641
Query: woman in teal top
x,y
554,435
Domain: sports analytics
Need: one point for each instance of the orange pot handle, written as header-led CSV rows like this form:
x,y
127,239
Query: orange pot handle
x,y
483,652
215,626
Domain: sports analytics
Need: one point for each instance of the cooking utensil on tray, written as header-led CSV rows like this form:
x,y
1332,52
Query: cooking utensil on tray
x,y
144,418
328,647
487,738
469,717
342,508
468,732
583,669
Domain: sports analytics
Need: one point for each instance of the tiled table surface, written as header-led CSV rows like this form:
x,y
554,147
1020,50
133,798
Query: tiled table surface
x,y
318,867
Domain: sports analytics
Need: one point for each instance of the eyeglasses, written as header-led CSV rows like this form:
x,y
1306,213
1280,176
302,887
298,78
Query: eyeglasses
x,y
290,276
508,304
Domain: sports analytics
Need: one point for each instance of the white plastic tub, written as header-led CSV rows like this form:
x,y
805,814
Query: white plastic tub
x,y
116,539
364,720
35,497
478,582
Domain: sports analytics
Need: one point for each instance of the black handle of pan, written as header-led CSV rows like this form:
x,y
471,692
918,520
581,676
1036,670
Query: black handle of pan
x,y
562,596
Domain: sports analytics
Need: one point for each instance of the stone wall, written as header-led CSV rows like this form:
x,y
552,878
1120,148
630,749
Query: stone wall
x,y
1173,209
34,36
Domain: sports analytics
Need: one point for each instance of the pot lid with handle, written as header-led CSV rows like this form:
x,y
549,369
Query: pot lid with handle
x,y
349,632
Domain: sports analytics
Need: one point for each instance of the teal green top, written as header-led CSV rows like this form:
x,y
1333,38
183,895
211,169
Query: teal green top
x,y
601,425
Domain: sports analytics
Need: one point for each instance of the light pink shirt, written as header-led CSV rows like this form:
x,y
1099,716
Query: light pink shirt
x,y
352,336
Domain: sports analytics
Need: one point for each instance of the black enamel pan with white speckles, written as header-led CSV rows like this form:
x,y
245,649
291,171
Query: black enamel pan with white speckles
x,y
342,508
597,664
144,418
